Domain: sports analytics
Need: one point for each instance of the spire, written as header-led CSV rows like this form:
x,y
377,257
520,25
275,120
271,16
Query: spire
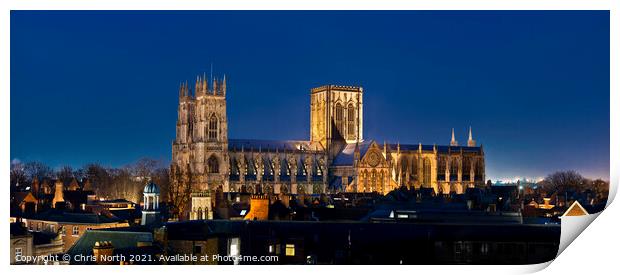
x,y
471,142
198,87
214,86
384,147
205,84
224,86
453,141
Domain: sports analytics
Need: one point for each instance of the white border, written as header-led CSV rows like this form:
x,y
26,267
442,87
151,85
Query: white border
x,y
594,255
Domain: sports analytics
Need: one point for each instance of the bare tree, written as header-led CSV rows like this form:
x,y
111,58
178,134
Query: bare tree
x,y
99,177
123,185
79,174
18,174
562,181
144,168
65,174
179,190
39,170
161,176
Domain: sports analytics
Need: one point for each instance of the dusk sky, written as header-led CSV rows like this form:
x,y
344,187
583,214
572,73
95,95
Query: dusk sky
x,y
103,86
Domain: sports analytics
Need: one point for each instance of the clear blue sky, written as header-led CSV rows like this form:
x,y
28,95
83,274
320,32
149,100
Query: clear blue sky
x,y
102,86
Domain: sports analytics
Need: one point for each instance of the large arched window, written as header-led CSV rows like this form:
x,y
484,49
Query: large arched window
x,y
380,182
466,165
454,166
212,131
404,165
365,181
479,167
339,118
466,169
414,168
350,121
213,165
427,171
373,181
441,168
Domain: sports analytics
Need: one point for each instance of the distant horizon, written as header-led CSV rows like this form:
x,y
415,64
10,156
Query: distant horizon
x,y
102,86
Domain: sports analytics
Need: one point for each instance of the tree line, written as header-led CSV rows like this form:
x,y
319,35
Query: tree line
x,y
126,182
571,181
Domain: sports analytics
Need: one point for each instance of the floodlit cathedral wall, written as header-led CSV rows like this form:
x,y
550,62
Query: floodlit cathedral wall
x,y
335,159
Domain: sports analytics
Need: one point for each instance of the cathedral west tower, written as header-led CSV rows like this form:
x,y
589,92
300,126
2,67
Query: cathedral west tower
x,y
200,150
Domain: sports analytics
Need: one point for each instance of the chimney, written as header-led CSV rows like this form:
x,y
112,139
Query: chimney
x,y
58,193
103,252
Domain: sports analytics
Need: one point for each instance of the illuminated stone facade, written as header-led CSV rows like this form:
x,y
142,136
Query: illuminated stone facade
x,y
335,159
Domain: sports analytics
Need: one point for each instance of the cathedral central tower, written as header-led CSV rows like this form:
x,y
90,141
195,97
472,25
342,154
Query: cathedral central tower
x,y
336,114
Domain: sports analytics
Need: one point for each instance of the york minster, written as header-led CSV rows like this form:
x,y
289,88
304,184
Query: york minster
x,y
336,158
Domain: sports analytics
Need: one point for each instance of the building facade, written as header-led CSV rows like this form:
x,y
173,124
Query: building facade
x,y
337,158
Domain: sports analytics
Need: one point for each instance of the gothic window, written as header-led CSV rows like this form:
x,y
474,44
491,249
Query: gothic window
x,y
199,217
466,165
339,118
454,169
365,181
373,181
212,131
466,169
213,165
427,171
350,121
414,168
380,183
403,168
441,168
479,167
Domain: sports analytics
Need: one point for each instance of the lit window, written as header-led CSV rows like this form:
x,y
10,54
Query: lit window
x,y
350,122
76,231
18,252
39,225
212,131
213,165
52,228
290,250
484,249
63,230
234,250
340,118
271,249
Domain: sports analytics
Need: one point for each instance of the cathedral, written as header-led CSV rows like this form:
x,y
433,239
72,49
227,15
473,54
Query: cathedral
x,y
336,158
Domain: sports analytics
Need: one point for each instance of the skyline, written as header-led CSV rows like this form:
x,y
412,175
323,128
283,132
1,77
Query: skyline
x,y
131,64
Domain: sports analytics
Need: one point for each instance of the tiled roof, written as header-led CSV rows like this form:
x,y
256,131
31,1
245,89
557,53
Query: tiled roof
x,y
72,217
119,239
272,145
